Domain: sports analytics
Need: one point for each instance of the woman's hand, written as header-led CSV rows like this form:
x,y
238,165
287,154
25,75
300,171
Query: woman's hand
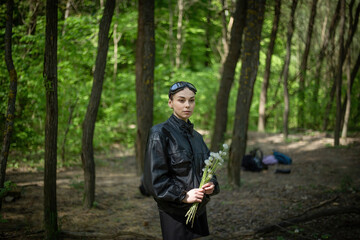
x,y
209,188
194,195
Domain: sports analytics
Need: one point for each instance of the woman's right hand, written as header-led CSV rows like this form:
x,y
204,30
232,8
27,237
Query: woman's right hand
x,y
194,195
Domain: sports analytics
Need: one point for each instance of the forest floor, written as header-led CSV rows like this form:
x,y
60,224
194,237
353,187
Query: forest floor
x,y
322,192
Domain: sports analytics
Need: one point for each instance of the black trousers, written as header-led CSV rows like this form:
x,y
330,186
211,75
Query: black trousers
x,y
174,227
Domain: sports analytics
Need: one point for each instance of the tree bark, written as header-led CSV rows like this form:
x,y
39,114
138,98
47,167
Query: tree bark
x,y
265,84
289,36
338,80
227,75
303,66
348,98
51,122
250,62
224,31
87,155
179,33
10,114
145,62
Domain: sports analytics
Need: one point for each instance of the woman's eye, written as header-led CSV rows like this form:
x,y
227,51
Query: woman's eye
x,y
192,100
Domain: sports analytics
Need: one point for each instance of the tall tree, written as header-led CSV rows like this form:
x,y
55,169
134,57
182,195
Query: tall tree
x,y
145,62
250,62
51,122
351,32
227,75
304,62
10,114
87,155
321,56
285,73
338,79
265,84
179,34
347,101
224,31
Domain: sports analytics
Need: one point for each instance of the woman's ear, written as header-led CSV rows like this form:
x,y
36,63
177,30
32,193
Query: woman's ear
x,y
170,103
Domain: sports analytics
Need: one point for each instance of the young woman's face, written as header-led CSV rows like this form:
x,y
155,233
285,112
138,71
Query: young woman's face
x,y
183,103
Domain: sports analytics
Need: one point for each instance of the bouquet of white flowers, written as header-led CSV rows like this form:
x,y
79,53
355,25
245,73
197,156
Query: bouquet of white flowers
x,y
214,161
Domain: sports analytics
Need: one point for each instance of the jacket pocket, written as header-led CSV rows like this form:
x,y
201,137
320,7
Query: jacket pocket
x,y
181,163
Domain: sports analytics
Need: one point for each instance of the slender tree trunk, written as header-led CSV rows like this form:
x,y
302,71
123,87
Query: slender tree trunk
x,y
322,54
10,114
87,155
224,36
145,62
352,79
171,35
303,66
207,36
339,75
289,36
51,122
348,99
63,146
116,38
250,62
179,34
66,15
351,33
265,84
227,75
33,12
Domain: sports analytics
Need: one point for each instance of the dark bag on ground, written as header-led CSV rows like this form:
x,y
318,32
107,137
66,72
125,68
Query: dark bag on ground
x,y
253,161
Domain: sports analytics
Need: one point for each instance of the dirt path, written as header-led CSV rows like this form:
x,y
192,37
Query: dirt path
x,y
321,176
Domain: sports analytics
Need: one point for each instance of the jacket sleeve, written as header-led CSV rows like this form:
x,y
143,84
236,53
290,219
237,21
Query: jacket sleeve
x,y
157,179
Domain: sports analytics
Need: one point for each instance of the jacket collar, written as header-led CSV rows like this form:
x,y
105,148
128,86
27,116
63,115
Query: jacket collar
x,y
185,127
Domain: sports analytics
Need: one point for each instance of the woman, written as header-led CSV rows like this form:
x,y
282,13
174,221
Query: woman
x,y
173,166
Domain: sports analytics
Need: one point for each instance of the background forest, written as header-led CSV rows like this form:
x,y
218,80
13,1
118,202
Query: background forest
x,y
200,63
267,66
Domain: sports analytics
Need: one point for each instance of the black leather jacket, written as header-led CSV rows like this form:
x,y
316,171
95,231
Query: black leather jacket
x,y
174,160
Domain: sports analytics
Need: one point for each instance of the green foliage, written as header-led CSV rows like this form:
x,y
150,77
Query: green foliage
x,y
116,120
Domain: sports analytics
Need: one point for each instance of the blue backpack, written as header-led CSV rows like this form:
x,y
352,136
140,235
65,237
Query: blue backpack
x,y
282,158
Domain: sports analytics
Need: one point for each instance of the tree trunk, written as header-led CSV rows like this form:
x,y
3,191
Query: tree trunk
x,y
10,114
63,146
250,62
227,75
145,62
289,36
339,75
66,15
224,35
87,155
179,33
327,38
33,12
352,79
51,122
116,38
265,84
171,35
303,66
348,98
207,36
